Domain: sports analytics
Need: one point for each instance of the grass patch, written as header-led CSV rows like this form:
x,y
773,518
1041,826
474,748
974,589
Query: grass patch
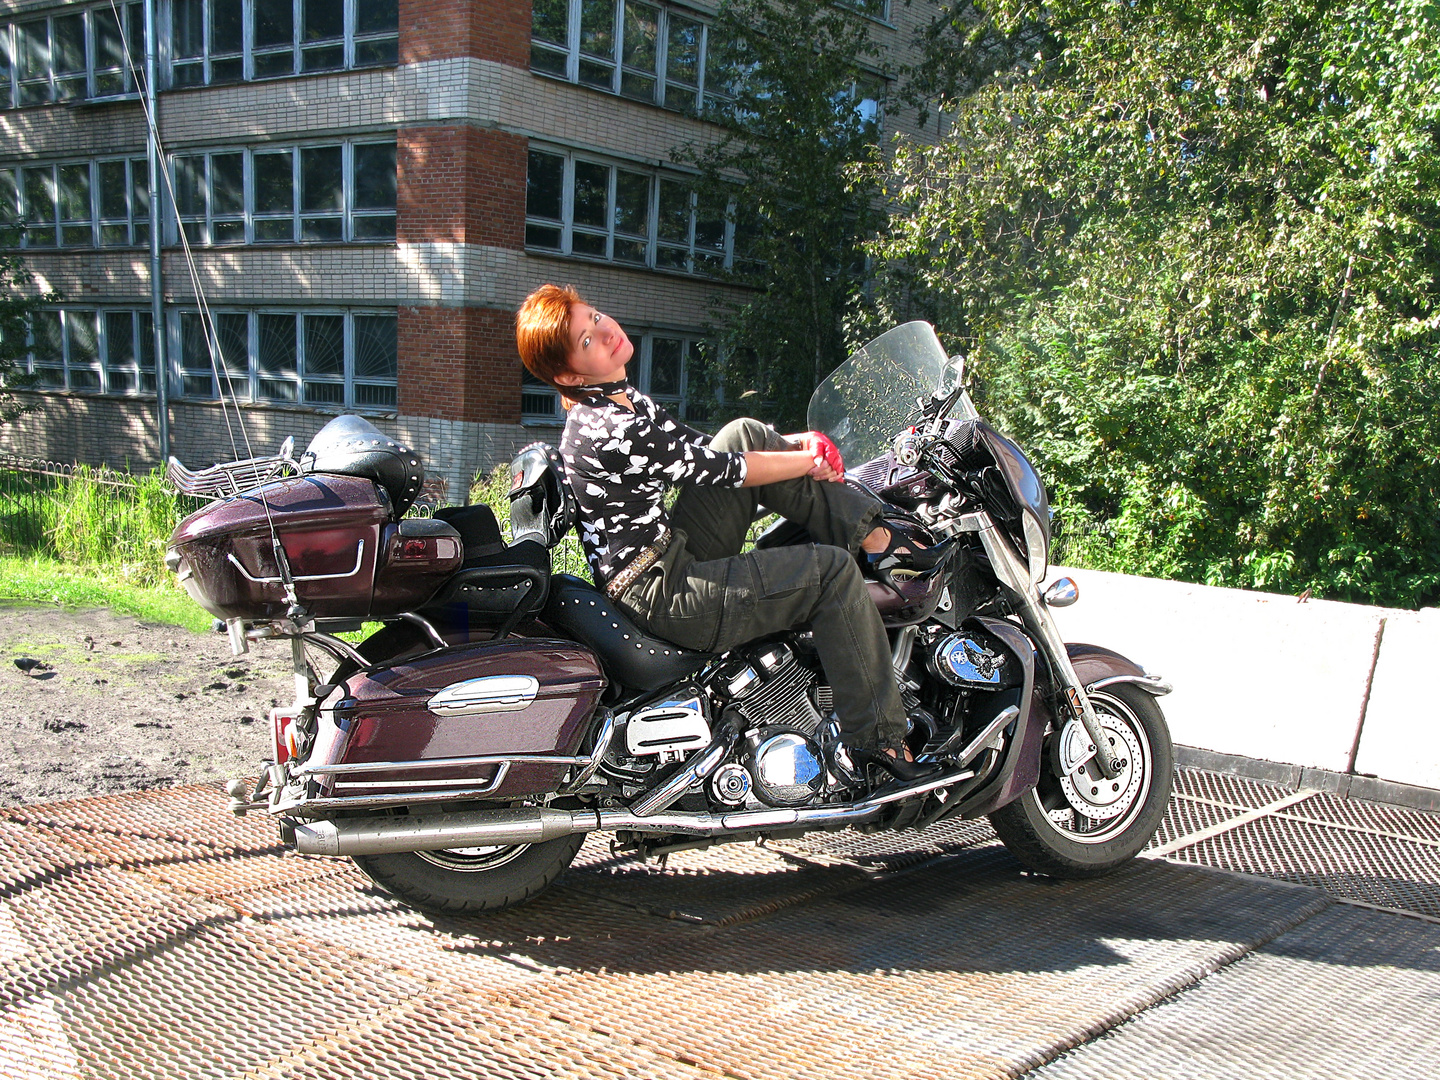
x,y
41,580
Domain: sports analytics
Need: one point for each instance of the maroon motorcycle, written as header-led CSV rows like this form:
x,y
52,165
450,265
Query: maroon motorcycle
x,y
461,753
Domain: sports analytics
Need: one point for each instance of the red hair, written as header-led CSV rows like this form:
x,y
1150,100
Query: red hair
x,y
542,331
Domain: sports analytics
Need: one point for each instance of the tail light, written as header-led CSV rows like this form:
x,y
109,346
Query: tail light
x,y
282,724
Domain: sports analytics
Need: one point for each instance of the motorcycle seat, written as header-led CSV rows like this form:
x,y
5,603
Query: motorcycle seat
x,y
634,659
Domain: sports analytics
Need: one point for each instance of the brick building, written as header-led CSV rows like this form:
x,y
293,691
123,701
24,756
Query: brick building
x,y
368,188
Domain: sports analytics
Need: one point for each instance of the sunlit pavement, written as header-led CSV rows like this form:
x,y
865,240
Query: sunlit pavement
x,y
154,935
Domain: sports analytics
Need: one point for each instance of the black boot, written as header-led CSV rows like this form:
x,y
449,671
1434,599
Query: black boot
x,y
896,766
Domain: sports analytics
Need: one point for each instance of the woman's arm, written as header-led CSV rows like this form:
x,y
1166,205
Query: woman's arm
x,y
769,466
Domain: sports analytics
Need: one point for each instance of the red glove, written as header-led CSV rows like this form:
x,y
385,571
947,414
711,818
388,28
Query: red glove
x,y
823,447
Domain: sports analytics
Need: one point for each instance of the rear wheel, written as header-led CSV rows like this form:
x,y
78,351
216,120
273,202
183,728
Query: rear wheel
x,y
1085,825
459,880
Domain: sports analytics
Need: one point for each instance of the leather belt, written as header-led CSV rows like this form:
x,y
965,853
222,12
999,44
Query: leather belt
x,y
647,558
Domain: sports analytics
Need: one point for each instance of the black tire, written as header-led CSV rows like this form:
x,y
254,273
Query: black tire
x,y
471,879
1034,828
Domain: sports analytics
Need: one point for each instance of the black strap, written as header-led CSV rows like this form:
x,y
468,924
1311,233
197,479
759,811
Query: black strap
x,y
602,389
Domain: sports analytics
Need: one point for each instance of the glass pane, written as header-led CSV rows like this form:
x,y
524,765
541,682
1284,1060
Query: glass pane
x,y
84,338
187,27
665,354
327,228
674,219
147,345
74,192
592,194
32,46
39,195
366,395
325,393
139,189
227,232
67,44
9,197
114,235
324,58
119,339
109,45
597,28
376,16
540,236
321,185
324,345
232,332
710,223
273,64
195,354
276,355
324,19
222,71
544,182
227,184
375,176
632,203
631,251
547,60
587,244
274,183
640,87
375,347
680,98
642,31
593,74
379,227
379,51
187,74
226,26
109,83
282,229
682,58
274,22
190,186
549,21
45,326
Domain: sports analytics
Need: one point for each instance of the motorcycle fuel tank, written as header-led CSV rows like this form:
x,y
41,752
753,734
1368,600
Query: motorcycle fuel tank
x,y
509,699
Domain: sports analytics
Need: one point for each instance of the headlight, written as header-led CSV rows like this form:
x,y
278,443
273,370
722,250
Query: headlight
x,y
1037,551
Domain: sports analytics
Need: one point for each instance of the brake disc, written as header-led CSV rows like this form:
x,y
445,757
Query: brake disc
x,y
1085,787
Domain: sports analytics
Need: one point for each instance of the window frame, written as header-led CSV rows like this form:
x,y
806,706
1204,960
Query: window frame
x,y
348,215
351,40
247,385
101,367
654,242
92,72
705,97
136,222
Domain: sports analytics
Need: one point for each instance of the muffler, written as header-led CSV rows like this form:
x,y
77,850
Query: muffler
x,y
536,824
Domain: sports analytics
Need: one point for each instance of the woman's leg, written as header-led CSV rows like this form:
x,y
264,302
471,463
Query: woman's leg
x,y
717,519
715,605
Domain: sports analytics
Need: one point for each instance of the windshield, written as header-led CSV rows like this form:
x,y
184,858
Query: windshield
x,y
872,396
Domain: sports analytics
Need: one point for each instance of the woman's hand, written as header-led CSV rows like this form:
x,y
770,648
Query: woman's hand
x,y
828,464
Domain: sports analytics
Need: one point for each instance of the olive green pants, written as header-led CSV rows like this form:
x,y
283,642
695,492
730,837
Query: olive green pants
x,y
704,595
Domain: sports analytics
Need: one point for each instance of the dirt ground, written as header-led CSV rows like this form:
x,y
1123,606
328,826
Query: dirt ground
x,y
117,704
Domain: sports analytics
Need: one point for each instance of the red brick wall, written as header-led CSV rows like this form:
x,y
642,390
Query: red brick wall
x,y
461,185
487,29
459,364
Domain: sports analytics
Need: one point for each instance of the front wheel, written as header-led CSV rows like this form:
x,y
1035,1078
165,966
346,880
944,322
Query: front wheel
x,y
459,880
1085,825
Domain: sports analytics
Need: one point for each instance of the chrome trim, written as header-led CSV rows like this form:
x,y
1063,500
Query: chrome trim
x,y
1151,684
430,631
1062,592
437,763
417,785
700,768
602,747
359,561
488,694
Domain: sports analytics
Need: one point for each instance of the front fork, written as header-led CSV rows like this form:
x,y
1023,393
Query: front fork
x,y
1015,575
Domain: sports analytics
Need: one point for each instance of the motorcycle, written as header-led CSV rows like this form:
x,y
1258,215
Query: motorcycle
x,y
461,753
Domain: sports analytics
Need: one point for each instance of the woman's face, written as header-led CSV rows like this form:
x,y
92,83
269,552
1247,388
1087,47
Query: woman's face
x,y
599,349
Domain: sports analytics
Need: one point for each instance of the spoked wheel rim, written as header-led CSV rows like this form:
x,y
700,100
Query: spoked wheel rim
x,y
473,860
1093,809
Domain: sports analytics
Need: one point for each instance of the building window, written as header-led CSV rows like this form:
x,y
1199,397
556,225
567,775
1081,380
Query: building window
x,y
581,206
319,194
645,51
93,351
876,9
323,359
71,55
665,367
226,41
105,202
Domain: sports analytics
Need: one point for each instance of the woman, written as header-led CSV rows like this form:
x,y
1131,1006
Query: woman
x,y
681,574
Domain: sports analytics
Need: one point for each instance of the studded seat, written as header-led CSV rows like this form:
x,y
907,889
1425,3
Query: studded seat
x,y
631,657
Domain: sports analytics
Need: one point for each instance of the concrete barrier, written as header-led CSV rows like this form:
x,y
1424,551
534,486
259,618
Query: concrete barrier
x,y
1256,675
1401,737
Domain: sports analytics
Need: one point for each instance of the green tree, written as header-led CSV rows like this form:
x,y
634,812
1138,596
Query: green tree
x,y
1192,247
18,304
798,113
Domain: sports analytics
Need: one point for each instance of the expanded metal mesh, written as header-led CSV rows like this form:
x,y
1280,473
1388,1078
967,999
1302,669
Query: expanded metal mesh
x,y
1224,788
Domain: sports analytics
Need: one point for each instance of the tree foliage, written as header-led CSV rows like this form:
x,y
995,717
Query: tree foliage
x,y
18,305
1192,247
785,162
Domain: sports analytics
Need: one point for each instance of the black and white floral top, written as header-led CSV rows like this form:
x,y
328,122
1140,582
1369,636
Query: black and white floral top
x,y
619,465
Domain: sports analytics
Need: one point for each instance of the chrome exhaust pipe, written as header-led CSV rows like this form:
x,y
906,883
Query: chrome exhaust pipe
x,y
536,824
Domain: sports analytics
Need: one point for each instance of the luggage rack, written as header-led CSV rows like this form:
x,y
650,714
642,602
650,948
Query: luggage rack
x,y
230,478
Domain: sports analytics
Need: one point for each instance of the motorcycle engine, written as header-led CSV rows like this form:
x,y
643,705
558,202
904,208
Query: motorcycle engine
x,y
780,701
